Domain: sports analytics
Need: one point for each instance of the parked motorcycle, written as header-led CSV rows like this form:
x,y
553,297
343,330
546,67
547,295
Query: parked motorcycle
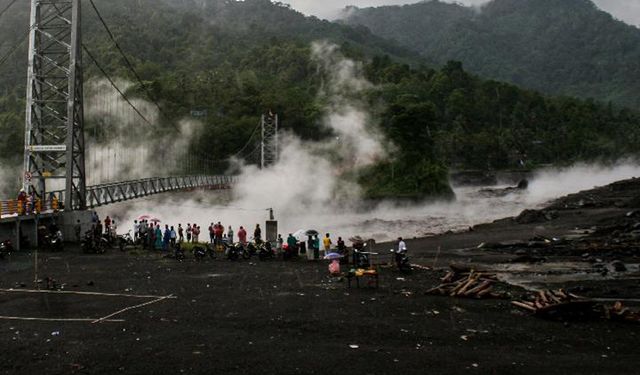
x,y
92,244
237,251
401,261
52,241
200,252
266,251
125,240
5,248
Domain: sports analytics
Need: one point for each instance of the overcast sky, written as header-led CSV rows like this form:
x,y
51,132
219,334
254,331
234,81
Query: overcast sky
x,y
626,10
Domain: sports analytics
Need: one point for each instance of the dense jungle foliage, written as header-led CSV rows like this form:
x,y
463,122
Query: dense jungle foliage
x,y
561,47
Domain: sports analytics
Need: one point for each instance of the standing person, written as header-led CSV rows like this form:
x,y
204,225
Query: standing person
x,y
22,202
189,231
342,250
114,229
166,238
326,243
77,229
316,247
230,235
212,233
292,244
136,230
218,230
144,229
173,237
196,233
401,252
31,200
98,230
180,233
310,247
279,244
107,224
242,236
158,237
257,234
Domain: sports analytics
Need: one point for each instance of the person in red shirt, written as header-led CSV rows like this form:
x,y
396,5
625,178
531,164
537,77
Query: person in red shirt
x,y
219,231
242,235
107,225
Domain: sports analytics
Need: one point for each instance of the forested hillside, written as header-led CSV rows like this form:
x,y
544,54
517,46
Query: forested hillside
x,y
566,47
239,59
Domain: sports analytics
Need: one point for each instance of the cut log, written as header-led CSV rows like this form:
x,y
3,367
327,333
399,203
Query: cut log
x,y
543,296
561,294
448,277
439,290
467,285
484,285
552,297
523,305
460,285
484,292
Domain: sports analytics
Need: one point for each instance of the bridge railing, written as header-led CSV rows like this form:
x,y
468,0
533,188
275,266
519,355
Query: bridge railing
x,y
29,206
100,195
113,192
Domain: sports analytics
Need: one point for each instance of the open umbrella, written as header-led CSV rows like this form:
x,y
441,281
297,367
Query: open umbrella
x,y
299,234
155,221
311,232
333,256
144,217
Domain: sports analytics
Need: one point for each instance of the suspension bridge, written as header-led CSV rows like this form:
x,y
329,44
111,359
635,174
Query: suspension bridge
x,y
70,168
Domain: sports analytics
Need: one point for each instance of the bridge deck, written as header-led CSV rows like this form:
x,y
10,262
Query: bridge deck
x,y
104,194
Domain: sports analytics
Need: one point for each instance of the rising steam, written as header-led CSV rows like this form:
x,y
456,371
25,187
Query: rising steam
x,y
308,176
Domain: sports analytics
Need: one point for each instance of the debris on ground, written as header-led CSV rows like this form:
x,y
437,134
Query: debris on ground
x,y
621,313
470,284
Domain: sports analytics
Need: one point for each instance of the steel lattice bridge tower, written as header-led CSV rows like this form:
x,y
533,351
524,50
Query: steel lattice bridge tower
x,y
269,144
54,139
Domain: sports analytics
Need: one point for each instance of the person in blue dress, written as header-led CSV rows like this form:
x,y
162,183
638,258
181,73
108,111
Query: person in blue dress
x,y
167,238
158,244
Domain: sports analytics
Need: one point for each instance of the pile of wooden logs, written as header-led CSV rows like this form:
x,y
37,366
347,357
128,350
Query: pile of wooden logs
x,y
556,304
470,284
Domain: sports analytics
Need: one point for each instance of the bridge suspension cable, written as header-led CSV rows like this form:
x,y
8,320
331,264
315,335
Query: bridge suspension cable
x,y
15,47
5,9
129,64
106,75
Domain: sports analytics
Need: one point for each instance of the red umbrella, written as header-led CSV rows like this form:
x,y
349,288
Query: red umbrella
x,y
144,217
156,221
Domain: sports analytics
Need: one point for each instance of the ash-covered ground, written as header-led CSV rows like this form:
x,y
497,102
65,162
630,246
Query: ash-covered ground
x,y
292,317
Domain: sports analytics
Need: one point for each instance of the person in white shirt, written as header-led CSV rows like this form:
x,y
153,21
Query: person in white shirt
x,y
136,230
402,247
401,252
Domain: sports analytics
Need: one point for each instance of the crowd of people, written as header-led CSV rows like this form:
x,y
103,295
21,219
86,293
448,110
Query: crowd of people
x,y
152,235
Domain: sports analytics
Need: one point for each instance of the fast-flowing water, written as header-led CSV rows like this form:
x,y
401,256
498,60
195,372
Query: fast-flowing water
x,y
387,221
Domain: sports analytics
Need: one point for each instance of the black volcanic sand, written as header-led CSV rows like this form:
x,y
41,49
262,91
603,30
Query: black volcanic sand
x,y
290,317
